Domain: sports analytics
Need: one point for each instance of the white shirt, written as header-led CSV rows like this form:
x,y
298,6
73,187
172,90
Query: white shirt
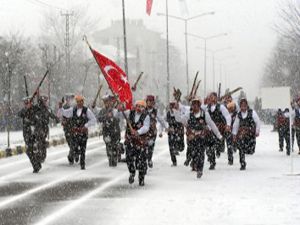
x,y
68,113
236,124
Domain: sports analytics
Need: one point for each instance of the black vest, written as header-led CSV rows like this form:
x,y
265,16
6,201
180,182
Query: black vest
x,y
153,115
29,120
79,121
217,115
247,122
197,124
110,125
177,126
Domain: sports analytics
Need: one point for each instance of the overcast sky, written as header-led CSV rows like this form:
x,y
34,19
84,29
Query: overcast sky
x,y
249,24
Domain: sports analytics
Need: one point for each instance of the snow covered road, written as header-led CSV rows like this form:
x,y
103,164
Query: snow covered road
x,y
61,194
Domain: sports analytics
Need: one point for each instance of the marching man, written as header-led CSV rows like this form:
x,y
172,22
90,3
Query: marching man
x,y
221,117
246,128
136,141
82,119
198,124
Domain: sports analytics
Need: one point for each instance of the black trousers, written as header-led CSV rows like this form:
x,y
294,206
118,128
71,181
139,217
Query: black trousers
x,y
151,148
246,145
197,147
68,136
79,144
41,139
136,159
218,146
176,143
112,152
188,152
297,129
213,148
230,146
284,135
32,153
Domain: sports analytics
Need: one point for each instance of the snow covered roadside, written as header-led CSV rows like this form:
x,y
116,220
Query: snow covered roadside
x,y
16,137
264,194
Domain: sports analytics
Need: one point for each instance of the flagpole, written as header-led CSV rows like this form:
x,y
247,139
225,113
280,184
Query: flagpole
x,y
114,94
125,39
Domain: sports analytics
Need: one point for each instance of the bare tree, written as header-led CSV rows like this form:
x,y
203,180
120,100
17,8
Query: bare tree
x,y
283,68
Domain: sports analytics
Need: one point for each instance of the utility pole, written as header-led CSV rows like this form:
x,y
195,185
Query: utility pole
x,y
118,52
168,66
125,39
186,20
67,14
138,59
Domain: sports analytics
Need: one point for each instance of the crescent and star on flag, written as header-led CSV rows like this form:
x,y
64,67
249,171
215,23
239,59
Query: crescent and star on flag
x,y
109,68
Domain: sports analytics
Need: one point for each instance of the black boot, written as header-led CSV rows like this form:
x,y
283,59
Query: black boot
x,y
71,160
37,168
150,163
76,158
187,162
141,181
243,166
212,166
199,174
131,178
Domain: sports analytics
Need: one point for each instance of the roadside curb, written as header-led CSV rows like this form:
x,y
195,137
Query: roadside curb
x,y
20,149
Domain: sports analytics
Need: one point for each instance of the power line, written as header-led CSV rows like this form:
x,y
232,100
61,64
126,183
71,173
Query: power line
x,y
41,3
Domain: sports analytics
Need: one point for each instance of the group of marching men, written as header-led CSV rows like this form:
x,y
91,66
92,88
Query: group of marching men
x,y
208,126
282,124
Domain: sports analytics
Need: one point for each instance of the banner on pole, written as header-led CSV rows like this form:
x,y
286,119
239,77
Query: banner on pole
x,y
276,97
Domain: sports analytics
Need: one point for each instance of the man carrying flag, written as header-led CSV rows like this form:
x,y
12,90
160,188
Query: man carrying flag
x,y
138,123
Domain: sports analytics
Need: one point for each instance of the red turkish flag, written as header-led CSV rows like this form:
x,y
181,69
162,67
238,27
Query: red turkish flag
x,y
149,6
115,77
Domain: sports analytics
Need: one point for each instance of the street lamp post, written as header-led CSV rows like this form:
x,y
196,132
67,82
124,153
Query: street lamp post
x,y
8,126
185,20
223,69
168,62
213,52
205,39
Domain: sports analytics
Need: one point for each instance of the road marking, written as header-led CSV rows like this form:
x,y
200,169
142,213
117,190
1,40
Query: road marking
x,y
28,170
61,212
47,185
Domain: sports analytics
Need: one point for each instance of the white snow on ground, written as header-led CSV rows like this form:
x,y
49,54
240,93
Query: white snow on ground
x,y
263,194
